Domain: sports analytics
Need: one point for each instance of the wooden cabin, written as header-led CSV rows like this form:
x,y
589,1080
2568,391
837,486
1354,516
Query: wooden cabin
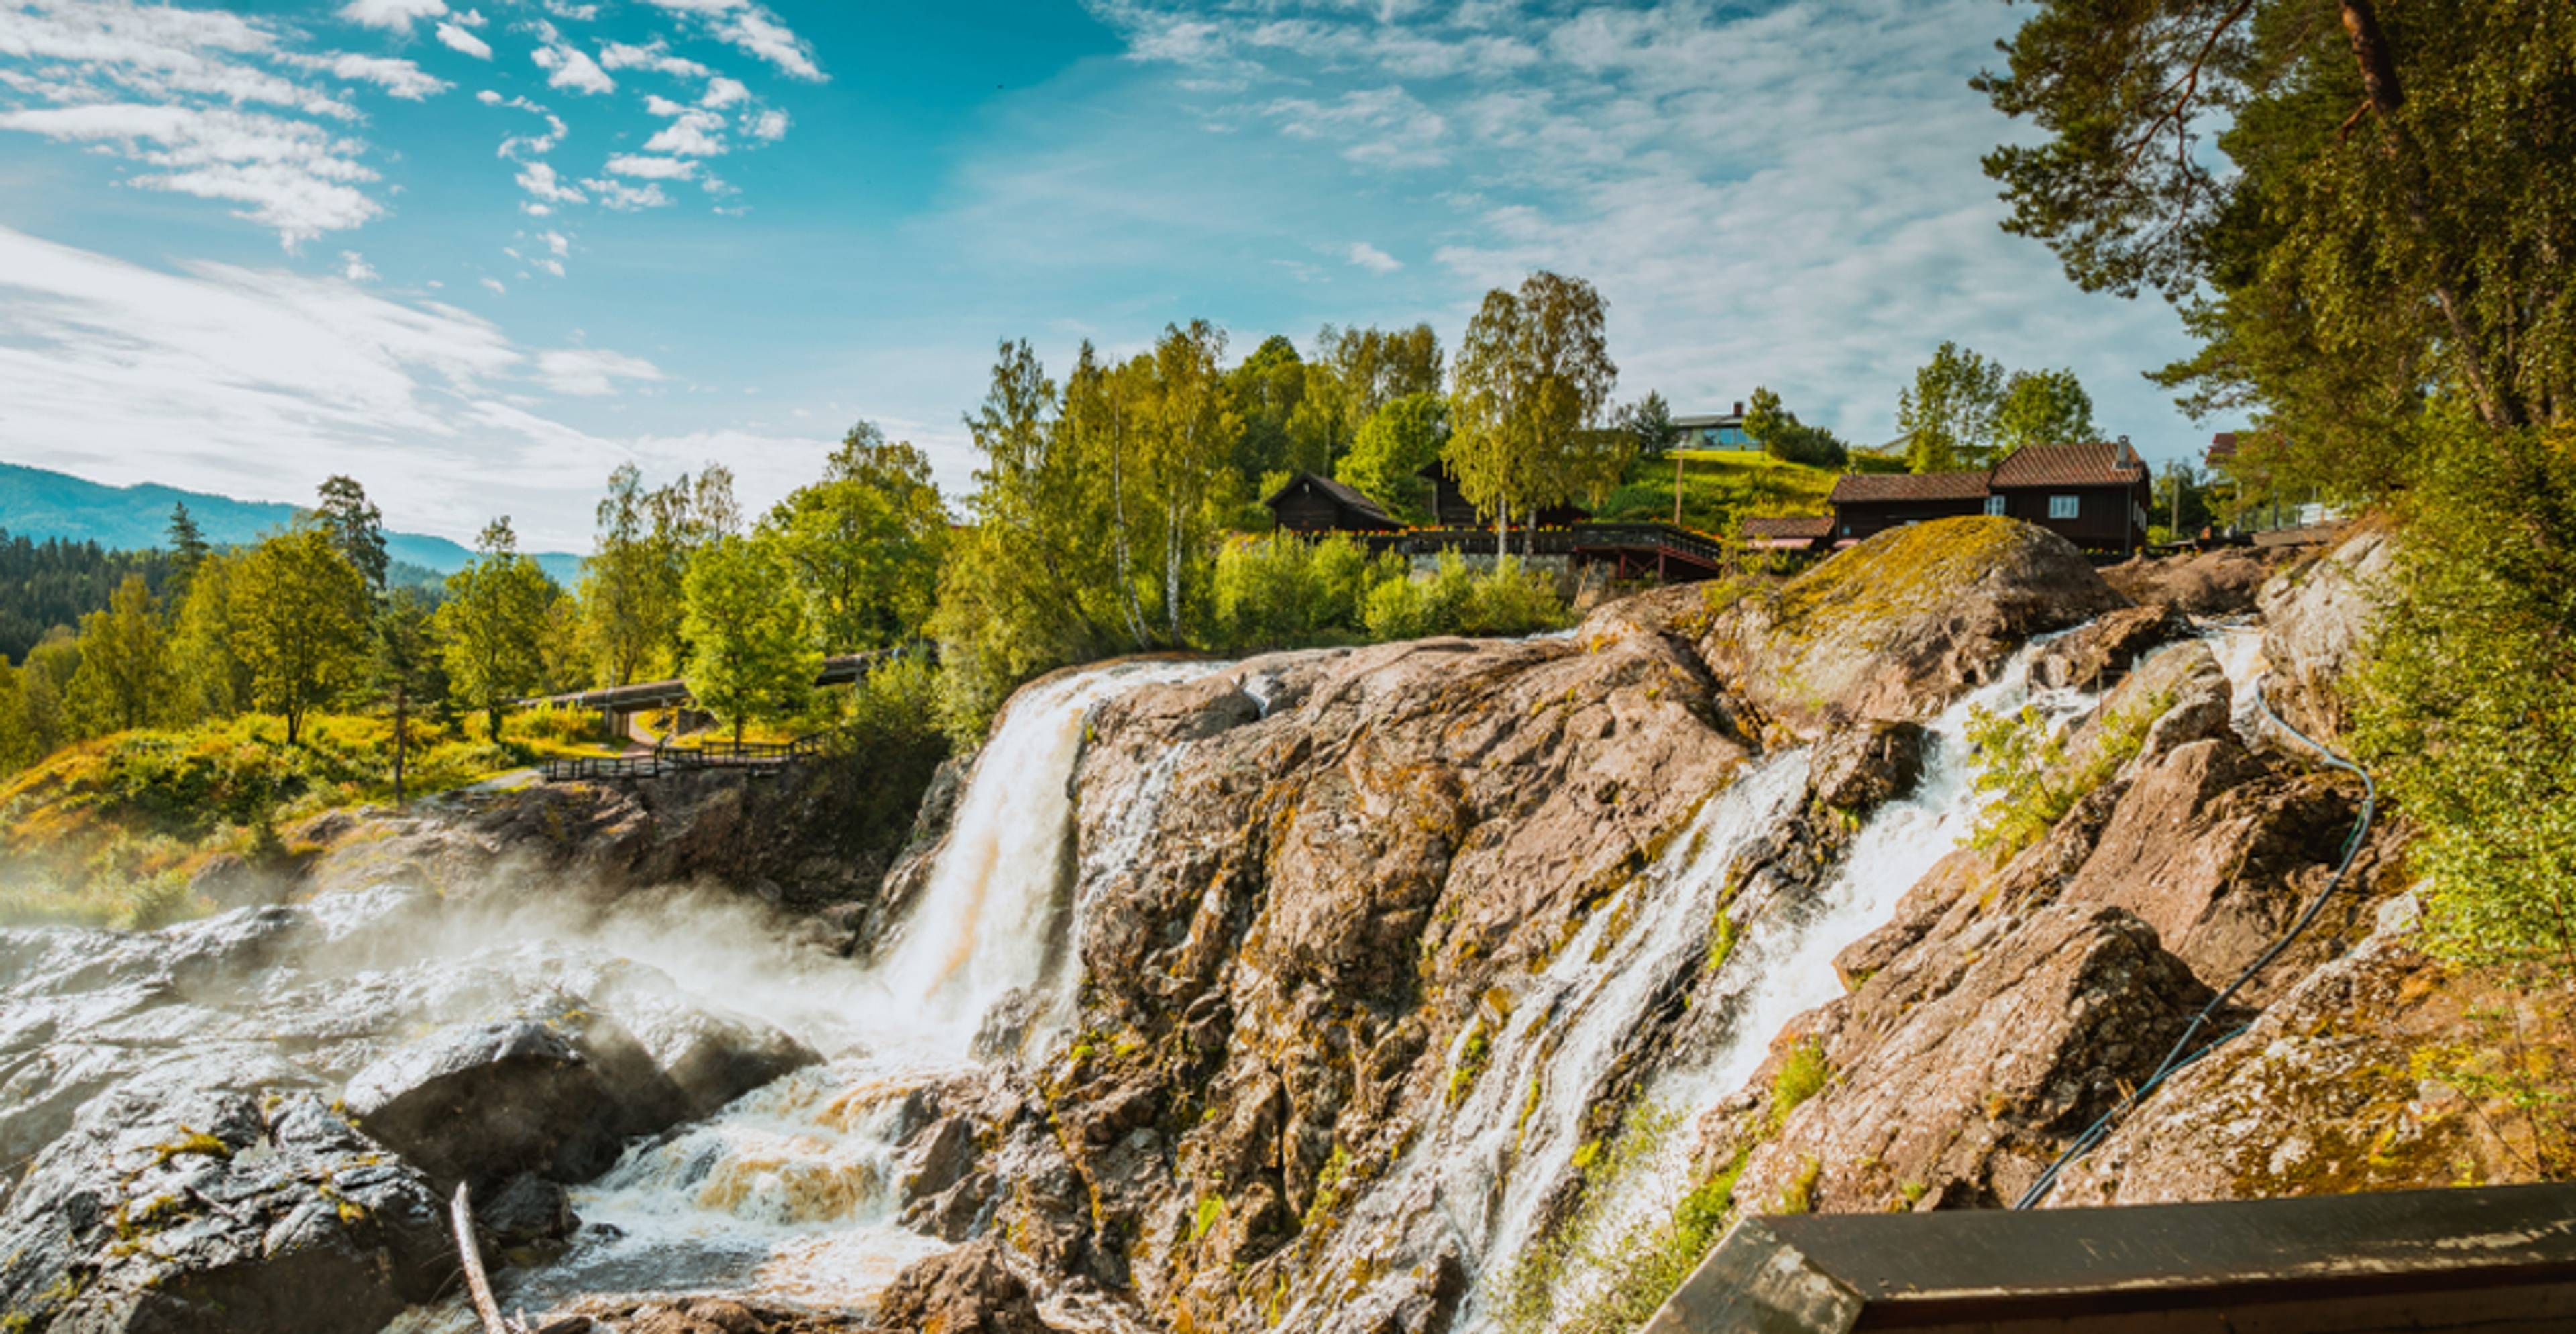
x,y
1789,533
1450,508
1313,504
2094,495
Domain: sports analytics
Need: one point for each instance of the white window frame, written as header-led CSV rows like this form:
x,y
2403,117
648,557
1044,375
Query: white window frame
x,y
2066,507
1994,505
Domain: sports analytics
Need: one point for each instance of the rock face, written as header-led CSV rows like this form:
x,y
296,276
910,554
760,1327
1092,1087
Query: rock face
x,y
2316,617
965,1291
262,1141
2223,582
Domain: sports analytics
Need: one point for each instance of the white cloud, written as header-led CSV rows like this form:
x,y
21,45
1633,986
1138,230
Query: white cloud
x,y
1385,127
495,285
654,55
570,67
591,371
557,242
458,39
355,268
400,78
1371,258
488,98
724,92
652,168
293,176
394,14
751,28
539,179
553,266
626,198
259,383
691,133
768,125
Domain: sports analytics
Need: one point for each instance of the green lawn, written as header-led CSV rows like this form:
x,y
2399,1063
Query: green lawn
x,y
1719,488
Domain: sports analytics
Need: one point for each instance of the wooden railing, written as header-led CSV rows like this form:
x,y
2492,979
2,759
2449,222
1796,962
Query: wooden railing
x,y
753,757
1583,539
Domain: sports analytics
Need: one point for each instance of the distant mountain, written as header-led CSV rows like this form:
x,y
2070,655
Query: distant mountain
x,y
41,504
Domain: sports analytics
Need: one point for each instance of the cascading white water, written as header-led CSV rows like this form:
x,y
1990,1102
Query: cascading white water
x,y
1483,1169
790,1192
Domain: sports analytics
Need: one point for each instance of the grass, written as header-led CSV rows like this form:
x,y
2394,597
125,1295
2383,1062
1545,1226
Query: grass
x,y
109,832
1719,488
1801,1077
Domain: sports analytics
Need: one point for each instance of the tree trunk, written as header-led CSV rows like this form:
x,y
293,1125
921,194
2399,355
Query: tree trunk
x,y
1118,520
492,724
1172,568
402,730
1502,529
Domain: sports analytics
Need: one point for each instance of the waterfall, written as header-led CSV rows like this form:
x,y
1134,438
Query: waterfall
x,y
1479,1176
791,1191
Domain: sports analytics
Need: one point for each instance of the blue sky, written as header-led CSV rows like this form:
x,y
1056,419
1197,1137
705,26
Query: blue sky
x,y
478,252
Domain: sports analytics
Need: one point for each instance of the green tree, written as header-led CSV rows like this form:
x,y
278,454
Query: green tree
x,y
212,678
1650,421
404,669
1186,456
18,744
1948,416
1397,442
2043,408
2384,215
45,685
294,603
187,551
1782,436
356,527
864,543
124,679
1266,387
1533,370
630,596
754,657
493,625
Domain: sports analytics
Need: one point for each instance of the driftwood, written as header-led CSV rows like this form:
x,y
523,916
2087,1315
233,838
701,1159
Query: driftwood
x,y
460,1213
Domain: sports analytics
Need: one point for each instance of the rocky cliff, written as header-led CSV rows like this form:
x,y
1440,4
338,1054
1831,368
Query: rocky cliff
x,y
1415,987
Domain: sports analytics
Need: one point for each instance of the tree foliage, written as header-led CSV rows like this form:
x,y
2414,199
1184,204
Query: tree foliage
x,y
1948,414
356,527
1398,441
493,625
2043,408
1533,373
1782,436
753,656
293,602
125,680
864,543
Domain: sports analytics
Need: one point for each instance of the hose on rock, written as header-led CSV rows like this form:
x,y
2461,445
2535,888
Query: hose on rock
x,y
2183,1053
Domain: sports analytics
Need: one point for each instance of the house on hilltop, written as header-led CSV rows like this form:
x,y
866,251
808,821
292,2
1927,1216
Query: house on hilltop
x,y
2094,495
1312,504
1715,430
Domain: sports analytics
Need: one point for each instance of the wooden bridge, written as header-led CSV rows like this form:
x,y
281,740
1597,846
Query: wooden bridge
x,y
755,758
616,703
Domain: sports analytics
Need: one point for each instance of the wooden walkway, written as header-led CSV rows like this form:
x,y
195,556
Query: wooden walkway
x,y
755,758
1636,550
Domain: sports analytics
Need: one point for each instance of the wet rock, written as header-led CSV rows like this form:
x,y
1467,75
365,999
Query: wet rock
x,y
526,1211
1858,768
2102,652
172,1207
2316,617
482,1102
968,1290
938,1157
952,1214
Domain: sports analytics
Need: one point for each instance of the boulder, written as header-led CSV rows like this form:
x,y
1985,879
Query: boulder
x,y
2316,617
2100,653
968,1290
1858,768
526,1211
939,1156
177,1206
2223,582
1895,628
484,1102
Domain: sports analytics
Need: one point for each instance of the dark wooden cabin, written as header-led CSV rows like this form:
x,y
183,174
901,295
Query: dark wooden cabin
x,y
1450,509
1868,503
1310,503
1789,533
2094,495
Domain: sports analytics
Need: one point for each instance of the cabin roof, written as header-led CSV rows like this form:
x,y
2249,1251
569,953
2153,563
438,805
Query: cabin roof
x,y
1345,496
1863,487
2222,448
1788,527
2098,463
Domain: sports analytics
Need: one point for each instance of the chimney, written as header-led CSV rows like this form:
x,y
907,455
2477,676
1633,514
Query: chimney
x,y
1739,407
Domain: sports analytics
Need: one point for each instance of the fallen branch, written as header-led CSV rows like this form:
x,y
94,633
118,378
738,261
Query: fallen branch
x,y
460,1214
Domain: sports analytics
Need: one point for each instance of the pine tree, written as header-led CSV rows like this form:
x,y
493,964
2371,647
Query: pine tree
x,y
356,528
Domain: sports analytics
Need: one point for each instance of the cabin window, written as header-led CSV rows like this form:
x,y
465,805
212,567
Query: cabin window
x,y
2065,507
1994,504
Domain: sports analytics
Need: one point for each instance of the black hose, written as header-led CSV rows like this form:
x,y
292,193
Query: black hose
x,y
2182,1054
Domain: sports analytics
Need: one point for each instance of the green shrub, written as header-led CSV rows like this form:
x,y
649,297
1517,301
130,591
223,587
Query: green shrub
x,y
2023,769
1801,1077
